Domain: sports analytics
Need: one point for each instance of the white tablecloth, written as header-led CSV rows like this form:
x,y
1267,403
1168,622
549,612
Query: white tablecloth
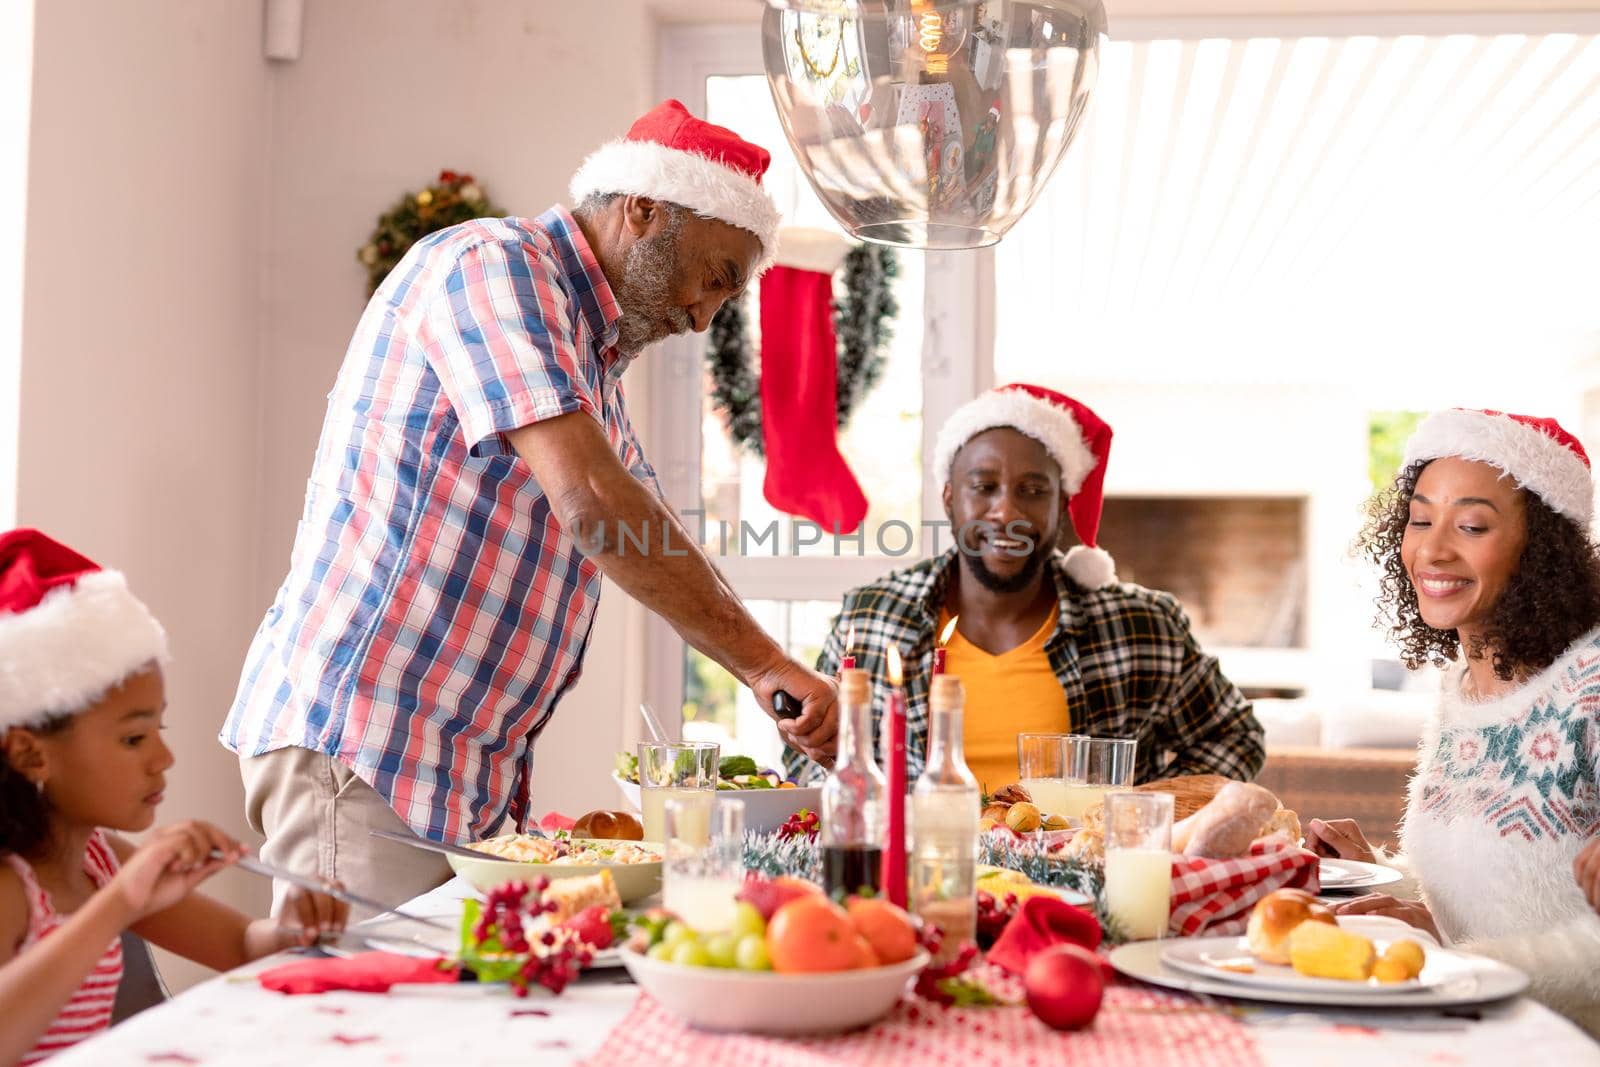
x,y
232,1020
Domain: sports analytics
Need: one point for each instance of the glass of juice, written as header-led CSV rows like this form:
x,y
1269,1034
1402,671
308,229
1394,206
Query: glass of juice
x,y
1044,766
703,871
1139,862
1098,765
673,769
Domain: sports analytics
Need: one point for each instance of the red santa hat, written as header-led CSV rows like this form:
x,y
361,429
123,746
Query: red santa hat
x,y
69,631
1537,453
669,154
1074,436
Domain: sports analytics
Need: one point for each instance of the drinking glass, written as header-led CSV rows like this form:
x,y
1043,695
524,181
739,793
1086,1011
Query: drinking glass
x,y
1098,765
703,865
1044,766
671,769
1139,862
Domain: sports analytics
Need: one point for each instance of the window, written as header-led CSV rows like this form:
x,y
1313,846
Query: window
x,y
932,363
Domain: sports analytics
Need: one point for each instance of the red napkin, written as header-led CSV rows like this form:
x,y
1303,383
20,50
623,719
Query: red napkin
x,y
1216,897
1042,922
366,972
556,821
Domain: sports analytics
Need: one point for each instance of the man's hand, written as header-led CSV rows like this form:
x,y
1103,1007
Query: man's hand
x,y
1587,870
1409,912
816,731
1339,838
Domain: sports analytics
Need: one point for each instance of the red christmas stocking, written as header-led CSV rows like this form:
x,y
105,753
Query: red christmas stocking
x,y
806,475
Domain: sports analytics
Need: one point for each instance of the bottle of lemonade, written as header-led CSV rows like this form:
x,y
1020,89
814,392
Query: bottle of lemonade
x,y
853,798
944,830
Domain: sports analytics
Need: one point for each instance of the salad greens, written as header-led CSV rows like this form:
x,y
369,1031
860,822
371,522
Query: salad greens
x,y
733,772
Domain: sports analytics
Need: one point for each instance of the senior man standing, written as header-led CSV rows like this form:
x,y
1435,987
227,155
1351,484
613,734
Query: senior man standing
x,y
477,476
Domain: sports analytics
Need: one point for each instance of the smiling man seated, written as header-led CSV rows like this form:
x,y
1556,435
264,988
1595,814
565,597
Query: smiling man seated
x,y
1045,641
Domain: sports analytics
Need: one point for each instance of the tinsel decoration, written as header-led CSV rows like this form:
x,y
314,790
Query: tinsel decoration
x,y
774,856
863,324
1055,870
453,199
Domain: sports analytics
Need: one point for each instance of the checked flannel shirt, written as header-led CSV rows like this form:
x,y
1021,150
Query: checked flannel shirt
x,y
1123,654
435,612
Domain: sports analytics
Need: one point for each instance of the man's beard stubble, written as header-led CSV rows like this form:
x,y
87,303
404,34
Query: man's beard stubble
x,y
644,295
1015,583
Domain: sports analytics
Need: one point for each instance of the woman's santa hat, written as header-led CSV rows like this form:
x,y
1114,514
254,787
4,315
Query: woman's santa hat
x,y
671,155
69,631
1537,453
1074,436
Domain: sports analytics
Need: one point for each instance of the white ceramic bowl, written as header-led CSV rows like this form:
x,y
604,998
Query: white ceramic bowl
x,y
764,1002
635,881
764,809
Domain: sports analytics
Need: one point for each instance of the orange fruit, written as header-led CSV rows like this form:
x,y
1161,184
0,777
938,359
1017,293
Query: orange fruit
x,y
812,934
865,957
887,928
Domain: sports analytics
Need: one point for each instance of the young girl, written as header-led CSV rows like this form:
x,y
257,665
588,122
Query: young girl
x,y
81,705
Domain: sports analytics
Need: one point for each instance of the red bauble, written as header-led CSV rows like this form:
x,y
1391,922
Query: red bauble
x,y
1064,986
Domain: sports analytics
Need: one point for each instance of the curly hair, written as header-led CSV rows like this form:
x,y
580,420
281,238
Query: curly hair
x,y
24,812
1552,599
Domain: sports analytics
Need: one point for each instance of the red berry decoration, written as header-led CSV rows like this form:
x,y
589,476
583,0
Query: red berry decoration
x,y
1064,986
804,822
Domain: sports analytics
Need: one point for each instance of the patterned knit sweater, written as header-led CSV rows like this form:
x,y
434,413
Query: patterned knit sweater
x,y
1504,796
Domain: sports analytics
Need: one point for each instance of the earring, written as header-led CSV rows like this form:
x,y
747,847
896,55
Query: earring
x,y
40,786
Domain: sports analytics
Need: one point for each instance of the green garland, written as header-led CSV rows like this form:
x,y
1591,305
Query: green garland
x,y
863,323
453,199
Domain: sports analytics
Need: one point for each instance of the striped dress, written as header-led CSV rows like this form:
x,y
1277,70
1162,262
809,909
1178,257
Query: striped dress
x,y
89,1010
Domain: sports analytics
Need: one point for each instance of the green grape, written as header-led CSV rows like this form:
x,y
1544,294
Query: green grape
x,y
661,951
747,920
691,954
677,934
723,949
751,954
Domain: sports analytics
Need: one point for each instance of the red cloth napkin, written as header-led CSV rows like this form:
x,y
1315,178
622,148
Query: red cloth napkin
x,y
1040,923
556,821
1215,897
366,972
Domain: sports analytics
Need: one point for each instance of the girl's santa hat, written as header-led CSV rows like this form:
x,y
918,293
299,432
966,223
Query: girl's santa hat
x,y
1074,436
1537,453
69,631
670,155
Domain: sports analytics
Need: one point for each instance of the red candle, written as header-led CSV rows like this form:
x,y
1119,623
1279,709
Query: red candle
x,y
848,663
938,649
938,662
894,852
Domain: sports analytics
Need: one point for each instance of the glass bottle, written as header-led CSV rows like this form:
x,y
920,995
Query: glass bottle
x,y
944,823
853,798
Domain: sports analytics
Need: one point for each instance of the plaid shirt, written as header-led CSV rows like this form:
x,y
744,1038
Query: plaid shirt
x,y
435,612
1124,656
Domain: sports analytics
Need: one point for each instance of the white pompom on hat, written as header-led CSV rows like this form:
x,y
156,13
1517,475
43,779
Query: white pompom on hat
x,y
669,154
69,631
1074,436
1538,453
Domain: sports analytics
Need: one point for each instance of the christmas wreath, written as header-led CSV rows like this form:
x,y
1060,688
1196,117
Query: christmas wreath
x,y
453,198
863,322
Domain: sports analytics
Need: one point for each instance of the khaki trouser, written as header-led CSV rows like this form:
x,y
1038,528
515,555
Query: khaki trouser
x,y
316,814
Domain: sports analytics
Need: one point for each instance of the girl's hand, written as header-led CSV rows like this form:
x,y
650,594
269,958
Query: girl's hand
x,y
1586,868
305,917
1410,912
1339,838
169,864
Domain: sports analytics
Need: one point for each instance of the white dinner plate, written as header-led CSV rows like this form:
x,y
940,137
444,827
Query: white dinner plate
x,y
1228,959
1473,980
425,942
1348,875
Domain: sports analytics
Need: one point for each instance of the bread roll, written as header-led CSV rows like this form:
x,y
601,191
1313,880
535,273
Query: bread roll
x,y
609,825
1224,828
1275,917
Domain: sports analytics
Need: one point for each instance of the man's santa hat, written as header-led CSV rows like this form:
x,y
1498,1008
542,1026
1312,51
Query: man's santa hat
x,y
1537,453
1074,436
671,155
69,631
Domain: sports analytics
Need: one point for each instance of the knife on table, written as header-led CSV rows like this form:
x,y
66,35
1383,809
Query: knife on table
x,y
432,846
317,885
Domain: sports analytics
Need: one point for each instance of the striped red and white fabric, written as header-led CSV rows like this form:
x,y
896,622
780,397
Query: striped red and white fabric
x,y
89,1010
1136,1027
1215,897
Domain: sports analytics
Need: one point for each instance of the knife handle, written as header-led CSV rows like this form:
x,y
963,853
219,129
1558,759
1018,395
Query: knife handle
x,y
785,706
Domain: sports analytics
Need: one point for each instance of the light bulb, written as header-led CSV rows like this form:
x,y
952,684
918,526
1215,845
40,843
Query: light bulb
x,y
939,35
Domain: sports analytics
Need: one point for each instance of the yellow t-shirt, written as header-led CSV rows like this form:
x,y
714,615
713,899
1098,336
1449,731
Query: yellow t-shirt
x,y
1009,694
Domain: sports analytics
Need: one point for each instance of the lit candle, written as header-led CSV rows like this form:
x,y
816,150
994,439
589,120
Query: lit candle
x,y
848,663
944,639
894,853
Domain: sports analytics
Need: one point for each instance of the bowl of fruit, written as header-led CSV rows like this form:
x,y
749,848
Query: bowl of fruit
x,y
769,798
792,962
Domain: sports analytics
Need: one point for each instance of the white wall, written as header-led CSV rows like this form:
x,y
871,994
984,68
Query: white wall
x,y
141,335
386,94
16,96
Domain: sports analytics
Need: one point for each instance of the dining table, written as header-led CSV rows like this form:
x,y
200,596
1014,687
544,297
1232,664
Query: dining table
x,y
604,1018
